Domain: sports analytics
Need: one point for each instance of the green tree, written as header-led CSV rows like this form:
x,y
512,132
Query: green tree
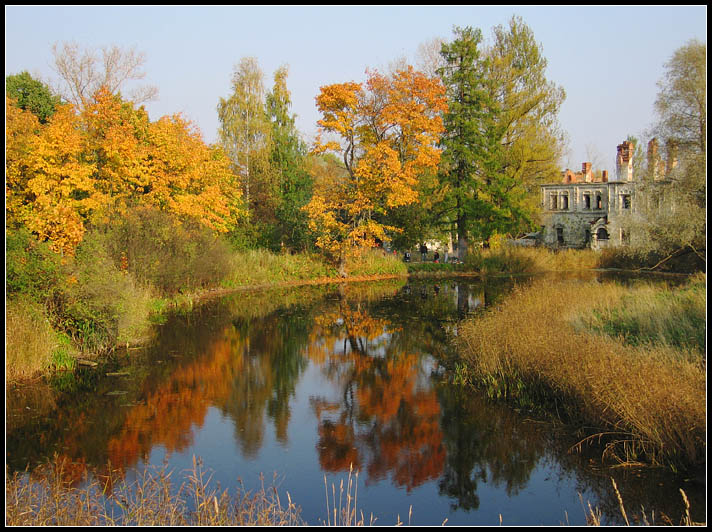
x,y
527,121
244,128
287,161
502,137
470,139
32,95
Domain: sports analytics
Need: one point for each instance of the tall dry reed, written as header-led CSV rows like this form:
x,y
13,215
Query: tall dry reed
x,y
29,340
152,499
645,401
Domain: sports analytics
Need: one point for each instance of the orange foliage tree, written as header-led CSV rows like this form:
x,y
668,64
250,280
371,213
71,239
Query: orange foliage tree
x,y
387,133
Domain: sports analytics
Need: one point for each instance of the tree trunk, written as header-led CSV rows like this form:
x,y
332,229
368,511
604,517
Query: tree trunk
x,y
462,237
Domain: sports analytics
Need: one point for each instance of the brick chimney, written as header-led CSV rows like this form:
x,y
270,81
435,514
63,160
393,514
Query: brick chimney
x,y
671,148
624,161
586,171
604,176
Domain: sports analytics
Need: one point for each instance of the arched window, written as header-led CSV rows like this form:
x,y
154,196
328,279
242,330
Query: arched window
x,y
602,234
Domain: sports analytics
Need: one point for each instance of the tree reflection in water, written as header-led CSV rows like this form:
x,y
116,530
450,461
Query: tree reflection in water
x,y
380,346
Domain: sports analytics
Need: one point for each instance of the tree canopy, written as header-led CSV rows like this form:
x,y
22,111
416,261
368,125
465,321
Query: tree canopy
x,y
386,133
501,134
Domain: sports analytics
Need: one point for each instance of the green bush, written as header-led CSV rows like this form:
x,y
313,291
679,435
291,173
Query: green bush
x,y
102,306
33,270
169,255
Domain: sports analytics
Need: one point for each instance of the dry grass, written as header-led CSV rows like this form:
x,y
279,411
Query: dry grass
x,y
29,340
593,515
262,267
152,500
647,402
511,259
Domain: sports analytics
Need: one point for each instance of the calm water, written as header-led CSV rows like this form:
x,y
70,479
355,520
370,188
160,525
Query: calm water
x,y
301,384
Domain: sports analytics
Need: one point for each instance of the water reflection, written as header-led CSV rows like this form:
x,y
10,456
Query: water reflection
x,y
380,347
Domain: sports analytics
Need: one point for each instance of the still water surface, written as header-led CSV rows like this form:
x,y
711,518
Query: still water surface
x,y
299,385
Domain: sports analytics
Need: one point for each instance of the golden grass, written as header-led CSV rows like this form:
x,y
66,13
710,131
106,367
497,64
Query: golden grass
x,y
151,500
512,259
29,340
646,401
262,267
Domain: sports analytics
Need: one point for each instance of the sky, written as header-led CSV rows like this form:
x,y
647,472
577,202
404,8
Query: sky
x,y
608,59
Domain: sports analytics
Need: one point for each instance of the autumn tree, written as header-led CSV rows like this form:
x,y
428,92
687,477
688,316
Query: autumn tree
x,y
21,129
56,196
681,103
670,219
387,130
83,72
79,167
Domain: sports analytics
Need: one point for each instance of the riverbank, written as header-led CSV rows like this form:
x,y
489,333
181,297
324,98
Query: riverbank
x,y
58,313
261,302
627,362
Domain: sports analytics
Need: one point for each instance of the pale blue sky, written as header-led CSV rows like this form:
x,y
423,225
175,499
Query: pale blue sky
x,y
608,59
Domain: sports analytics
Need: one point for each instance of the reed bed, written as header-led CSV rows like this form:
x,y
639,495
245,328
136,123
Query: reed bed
x,y
262,267
30,340
151,500
511,259
641,402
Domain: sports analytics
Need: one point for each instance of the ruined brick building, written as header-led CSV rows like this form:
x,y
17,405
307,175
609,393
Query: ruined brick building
x,y
584,210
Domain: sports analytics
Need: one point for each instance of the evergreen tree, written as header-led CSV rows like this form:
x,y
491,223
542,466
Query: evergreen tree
x,y
470,138
287,161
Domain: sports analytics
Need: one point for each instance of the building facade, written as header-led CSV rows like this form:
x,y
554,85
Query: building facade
x,y
587,211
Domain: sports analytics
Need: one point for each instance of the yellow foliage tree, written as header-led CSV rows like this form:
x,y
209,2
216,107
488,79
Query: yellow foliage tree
x,y
110,156
59,187
388,133
21,127
190,178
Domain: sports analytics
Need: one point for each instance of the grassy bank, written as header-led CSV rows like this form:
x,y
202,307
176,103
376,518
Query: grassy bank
x,y
627,362
120,283
513,260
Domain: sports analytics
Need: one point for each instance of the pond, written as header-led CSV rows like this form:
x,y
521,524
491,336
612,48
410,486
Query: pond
x,y
299,385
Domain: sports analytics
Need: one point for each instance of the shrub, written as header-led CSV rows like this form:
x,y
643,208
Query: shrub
x,y
33,270
170,255
102,306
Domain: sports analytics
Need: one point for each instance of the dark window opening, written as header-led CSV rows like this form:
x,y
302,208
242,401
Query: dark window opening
x,y
560,235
